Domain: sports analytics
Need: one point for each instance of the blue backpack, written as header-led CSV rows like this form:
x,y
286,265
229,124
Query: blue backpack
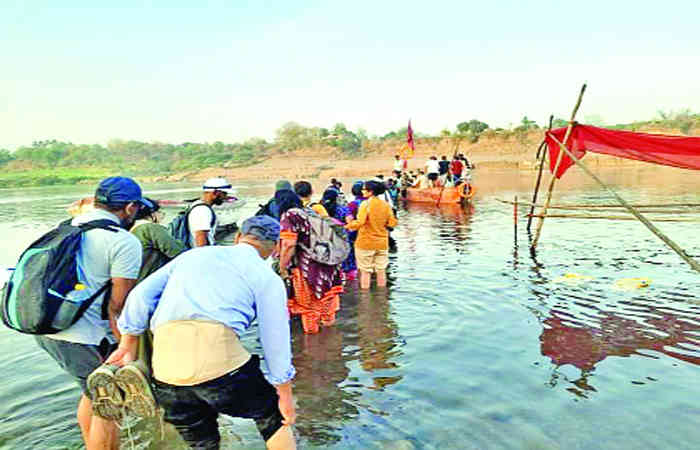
x,y
36,298
179,227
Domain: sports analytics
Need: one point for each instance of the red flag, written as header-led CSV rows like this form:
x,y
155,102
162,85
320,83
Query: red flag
x,y
675,151
409,136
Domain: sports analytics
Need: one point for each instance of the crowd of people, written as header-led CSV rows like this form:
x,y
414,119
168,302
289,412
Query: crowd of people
x,y
435,173
165,333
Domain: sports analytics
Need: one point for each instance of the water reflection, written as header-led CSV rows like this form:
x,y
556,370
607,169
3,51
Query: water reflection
x,y
328,396
565,340
451,223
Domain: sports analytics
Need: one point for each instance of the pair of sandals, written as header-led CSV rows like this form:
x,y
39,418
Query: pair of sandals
x,y
116,389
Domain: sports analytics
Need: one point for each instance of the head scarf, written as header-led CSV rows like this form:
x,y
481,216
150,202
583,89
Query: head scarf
x,y
357,188
330,201
286,199
283,185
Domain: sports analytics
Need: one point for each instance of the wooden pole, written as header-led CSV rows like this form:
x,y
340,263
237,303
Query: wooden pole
x,y
629,207
586,216
539,174
515,219
538,232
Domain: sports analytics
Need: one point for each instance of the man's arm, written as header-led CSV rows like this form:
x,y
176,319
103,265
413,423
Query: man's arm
x,y
201,238
275,337
136,314
120,289
125,256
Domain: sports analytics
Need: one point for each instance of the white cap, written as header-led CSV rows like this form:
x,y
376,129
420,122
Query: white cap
x,y
218,184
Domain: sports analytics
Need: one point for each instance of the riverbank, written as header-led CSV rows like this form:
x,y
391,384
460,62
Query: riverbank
x,y
494,150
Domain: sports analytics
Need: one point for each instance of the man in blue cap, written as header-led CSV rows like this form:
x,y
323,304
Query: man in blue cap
x,y
106,256
200,368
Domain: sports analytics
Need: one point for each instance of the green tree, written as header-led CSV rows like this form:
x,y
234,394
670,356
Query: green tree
x,y
292,136
473,127
5,157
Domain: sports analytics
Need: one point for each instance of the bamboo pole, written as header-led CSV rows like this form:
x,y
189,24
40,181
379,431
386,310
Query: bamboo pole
x,y
539,174
630,208
538,232
515,219
620,209
585,216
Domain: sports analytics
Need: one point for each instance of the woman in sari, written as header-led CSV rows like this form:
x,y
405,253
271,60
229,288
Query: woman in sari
x,y
317,287
342,214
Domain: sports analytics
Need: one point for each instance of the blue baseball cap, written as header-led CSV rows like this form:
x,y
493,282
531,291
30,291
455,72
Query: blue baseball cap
x,y
117,190
265,228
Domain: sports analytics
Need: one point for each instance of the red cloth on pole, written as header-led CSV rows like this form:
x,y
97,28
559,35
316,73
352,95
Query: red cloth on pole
x,y
409,136
676,151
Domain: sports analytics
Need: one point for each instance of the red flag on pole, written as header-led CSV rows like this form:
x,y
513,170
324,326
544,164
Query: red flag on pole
x,y
409,136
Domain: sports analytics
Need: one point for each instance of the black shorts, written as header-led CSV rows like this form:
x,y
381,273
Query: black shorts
x,y
245,393
432,176
79,360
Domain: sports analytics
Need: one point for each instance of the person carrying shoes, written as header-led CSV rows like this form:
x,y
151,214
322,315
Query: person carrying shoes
x,y
197,306
106,256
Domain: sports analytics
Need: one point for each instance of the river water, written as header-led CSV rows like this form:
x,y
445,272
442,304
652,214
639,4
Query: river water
x,y
475,344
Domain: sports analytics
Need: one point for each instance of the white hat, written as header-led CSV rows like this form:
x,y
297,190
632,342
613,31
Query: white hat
x,y
218,184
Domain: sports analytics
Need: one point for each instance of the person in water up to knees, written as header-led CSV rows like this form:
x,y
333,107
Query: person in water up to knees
x,y
105,255
197,307
202,219
372,244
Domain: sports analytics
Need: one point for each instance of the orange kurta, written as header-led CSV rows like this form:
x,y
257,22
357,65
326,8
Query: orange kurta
x,y
373,218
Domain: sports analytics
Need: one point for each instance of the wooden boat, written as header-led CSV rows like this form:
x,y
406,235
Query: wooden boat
x,y
448,195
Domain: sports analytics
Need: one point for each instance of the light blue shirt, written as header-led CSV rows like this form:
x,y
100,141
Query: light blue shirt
x,y
103,255
231,285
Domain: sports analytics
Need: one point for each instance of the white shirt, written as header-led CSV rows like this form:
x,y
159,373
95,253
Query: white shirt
x,y
398,165
432,166
103,255
200,219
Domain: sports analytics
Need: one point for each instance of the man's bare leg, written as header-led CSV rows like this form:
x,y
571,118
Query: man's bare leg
x,y
84,417
283,439
104,435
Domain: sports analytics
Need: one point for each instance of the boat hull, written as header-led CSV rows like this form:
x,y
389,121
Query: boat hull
x,y
433,195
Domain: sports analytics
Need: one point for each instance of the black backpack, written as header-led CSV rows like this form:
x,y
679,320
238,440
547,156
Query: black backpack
x,y
35,297
179,227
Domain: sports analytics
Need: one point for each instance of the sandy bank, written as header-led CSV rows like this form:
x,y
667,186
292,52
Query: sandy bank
x,y
493,152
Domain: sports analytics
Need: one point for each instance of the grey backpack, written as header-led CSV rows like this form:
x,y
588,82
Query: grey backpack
x,y
329,240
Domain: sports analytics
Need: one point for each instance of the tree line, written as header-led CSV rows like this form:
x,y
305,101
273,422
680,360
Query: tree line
x,y
158,158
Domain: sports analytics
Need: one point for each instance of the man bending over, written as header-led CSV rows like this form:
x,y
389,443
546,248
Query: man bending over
x,y
197,306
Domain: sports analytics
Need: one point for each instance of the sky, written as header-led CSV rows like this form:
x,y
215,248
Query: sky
x,y
185,71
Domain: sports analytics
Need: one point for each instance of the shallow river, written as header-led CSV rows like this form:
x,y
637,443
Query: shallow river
x,y
475,344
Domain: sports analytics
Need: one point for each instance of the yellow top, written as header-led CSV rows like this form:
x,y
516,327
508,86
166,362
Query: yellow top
x,y
320,210
373,218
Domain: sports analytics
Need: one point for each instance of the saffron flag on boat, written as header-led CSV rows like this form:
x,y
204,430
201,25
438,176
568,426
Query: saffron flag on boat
x,y
668,150
408,148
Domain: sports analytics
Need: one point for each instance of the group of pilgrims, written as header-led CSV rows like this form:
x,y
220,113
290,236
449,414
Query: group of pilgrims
x,y
315,287
165,334
164,339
